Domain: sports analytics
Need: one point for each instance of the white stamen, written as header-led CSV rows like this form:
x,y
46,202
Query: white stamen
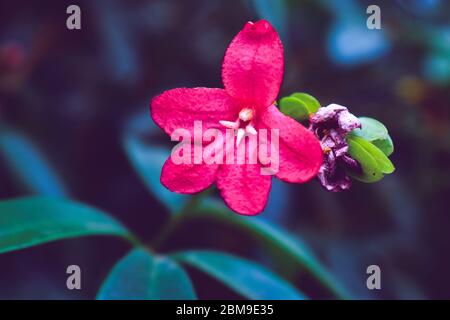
x,y
240,136
246,114
251,130
229,124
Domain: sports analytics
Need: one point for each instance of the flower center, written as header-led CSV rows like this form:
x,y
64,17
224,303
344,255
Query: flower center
x,y
242,125
246,114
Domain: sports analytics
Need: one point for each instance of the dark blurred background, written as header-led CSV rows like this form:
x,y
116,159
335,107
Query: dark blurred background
x,y
69,99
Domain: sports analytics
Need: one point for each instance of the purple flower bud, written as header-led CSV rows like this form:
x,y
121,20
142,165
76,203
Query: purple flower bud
x,y
331,124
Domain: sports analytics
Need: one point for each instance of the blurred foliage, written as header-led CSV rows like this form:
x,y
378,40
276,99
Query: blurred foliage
x,y
75,124
141,275
245,277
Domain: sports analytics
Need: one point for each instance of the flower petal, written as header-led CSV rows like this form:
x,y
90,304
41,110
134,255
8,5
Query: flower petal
x,y
300,153
243,188
179,108
187,178
336,117
332,176
252,69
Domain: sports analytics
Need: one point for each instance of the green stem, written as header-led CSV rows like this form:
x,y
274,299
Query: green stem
x,y
267,233
177,218
280,241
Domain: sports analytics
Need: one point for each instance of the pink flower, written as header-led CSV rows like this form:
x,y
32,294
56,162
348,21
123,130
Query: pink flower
x,y
252,73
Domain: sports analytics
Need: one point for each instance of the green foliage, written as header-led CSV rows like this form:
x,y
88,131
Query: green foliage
x,y
385,145
310,102
370,146
370,167
384,164
28,165
299,106
294,108
277,241
27,222
141,275
245,277
375,132
371,129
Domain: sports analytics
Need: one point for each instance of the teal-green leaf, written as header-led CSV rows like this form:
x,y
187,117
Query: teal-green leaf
x,y
277,241
148,161
26,222
308,100
371,129
385,145
371,171
28,165
375,132
384,164
247,278
141,275
294,108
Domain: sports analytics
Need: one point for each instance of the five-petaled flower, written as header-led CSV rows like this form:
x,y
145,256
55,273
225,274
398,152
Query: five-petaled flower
x,y
252,73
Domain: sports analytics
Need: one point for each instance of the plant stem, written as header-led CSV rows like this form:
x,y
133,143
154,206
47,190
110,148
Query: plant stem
x,y
269,235
177,218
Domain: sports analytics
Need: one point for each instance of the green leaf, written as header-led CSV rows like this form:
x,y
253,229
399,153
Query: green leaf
x,y
384,164
375,132
245,277
27,222
294,108
385,145
371,171
140,275
371,129
308,100
28,165
148,161
299,106
276,240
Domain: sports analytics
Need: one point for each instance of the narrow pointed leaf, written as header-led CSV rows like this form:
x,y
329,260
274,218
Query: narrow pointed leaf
x,y
140,275
247,278
274,239
27,222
